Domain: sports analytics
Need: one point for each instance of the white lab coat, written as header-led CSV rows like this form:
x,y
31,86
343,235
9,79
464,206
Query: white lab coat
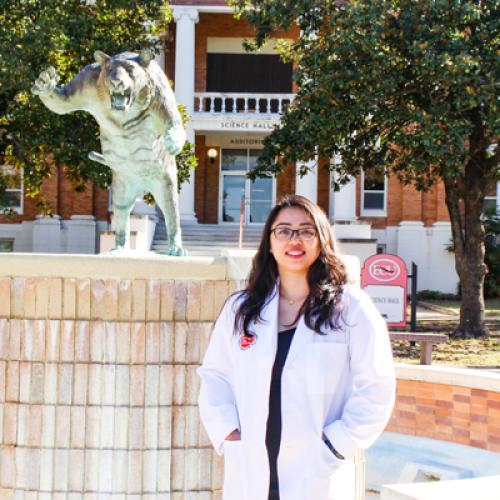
x,y
341,384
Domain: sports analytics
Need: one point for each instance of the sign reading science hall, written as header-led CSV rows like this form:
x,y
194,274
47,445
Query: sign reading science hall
x,y
224,124
385,279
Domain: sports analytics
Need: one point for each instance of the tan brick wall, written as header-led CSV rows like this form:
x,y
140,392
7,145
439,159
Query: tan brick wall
x,y
459,414
100,374
98,389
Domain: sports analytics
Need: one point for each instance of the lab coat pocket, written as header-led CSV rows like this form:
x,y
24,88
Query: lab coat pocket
x,y
326,366
232,470
329,457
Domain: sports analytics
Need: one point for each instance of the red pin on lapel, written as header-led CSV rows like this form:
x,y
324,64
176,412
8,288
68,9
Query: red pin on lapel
x,y
247,340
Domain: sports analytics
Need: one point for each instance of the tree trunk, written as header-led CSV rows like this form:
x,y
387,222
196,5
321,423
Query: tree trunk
x,y
468,239
472,323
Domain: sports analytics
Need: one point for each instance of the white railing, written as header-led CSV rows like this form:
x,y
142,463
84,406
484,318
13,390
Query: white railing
x,y
232,103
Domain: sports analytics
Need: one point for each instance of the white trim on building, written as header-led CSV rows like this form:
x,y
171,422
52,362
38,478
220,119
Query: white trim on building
x,y
234,45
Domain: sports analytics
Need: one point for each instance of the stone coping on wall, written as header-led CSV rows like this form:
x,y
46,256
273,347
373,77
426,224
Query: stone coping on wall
x,y
232,264
127,265
485,379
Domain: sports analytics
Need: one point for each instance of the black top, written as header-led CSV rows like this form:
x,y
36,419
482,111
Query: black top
x,y
273,433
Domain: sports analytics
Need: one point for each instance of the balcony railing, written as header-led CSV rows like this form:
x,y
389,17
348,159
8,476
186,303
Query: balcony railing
x,y
232,103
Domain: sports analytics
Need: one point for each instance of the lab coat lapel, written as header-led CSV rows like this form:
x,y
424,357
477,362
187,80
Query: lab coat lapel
x,y
303,335
267,329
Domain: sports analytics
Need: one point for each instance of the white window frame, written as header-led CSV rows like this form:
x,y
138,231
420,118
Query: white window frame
x,y
19,209
370,212
495,197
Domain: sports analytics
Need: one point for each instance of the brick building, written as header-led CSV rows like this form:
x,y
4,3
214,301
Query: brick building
x,y
235,99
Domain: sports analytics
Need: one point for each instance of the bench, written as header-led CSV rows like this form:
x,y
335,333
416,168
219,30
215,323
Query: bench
x,y
426,340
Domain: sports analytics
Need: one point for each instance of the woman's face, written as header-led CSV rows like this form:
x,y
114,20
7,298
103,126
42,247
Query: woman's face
x,y
297,254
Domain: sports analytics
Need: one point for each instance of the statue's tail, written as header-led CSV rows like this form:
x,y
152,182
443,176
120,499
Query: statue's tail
x,y
98,157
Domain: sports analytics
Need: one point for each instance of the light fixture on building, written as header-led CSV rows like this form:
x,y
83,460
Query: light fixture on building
x,y
212,154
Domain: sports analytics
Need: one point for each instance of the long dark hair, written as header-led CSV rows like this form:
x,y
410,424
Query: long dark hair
x,y
326,276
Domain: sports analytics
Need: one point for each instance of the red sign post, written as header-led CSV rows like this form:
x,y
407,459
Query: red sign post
x,y
385,279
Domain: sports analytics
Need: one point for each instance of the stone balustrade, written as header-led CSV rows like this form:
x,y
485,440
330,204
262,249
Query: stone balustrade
x,y
232,103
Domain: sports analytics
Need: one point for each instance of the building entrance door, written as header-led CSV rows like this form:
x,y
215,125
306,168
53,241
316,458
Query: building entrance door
x,y
238,193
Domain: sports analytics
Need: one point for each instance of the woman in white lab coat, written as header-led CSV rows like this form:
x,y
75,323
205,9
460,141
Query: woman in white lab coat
x,y
298,374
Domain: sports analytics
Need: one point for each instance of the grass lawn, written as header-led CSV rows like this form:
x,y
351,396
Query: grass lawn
x,y
492,306
469,352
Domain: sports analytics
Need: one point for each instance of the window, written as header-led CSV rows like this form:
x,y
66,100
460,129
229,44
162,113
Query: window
x,y
248,73
12,179
373,194
6,245
492,199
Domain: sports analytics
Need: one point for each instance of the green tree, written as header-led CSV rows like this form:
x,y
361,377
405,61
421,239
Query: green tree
x,y
65,34
404,87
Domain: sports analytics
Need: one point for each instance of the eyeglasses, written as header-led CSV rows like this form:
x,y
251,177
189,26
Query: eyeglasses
x,y
287,233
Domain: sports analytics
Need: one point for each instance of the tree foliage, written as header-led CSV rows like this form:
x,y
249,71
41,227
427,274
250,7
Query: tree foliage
x,y
65,33
406,87
394,84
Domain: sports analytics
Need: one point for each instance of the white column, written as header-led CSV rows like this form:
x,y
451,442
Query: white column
x,y
308,185
343,202
186,18
498,196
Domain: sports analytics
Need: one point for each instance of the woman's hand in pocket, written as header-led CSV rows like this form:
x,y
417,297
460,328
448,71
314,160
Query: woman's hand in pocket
x,y
234,435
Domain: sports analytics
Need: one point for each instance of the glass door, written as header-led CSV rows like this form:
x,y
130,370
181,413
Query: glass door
x,y
233,192
260,193
261,199
237,191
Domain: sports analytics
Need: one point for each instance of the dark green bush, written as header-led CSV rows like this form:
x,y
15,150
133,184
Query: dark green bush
x,y
435,295
492,258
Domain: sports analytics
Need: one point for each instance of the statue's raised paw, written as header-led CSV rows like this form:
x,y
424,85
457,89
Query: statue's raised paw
x,y
46,82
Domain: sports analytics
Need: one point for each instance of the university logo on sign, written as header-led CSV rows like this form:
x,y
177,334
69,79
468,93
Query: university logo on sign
x,y
385,279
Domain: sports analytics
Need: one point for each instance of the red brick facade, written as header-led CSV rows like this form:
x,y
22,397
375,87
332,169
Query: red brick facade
x,y
405,203
206,183
447,412
62,199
